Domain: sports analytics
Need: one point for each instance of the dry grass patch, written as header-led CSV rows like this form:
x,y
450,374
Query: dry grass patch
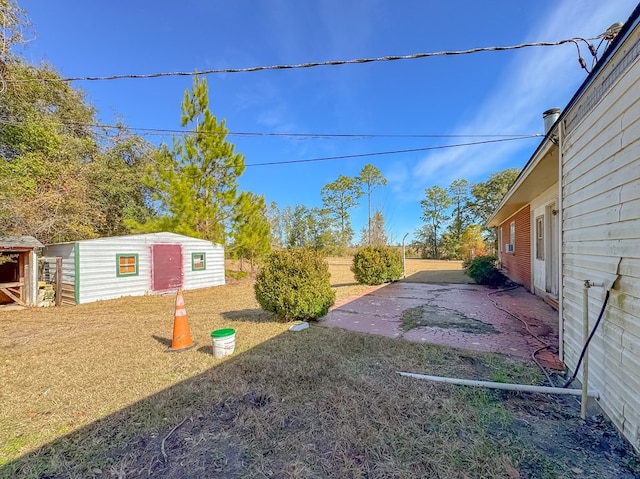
x,y
62,368
435,271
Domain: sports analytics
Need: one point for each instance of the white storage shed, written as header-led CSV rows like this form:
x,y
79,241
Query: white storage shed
x,y
135,265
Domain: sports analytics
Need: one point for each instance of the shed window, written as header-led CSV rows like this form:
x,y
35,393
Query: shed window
x,y
198,261
127,265
540,237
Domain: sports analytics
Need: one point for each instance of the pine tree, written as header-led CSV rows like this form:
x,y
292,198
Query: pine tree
x,y
338,198
251,239
374,234
195,183
370,178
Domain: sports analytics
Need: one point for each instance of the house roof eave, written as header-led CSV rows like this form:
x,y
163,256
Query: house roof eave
x,y
540,172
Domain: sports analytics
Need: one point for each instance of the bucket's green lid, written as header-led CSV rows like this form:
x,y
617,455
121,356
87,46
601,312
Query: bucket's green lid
x,y
223,333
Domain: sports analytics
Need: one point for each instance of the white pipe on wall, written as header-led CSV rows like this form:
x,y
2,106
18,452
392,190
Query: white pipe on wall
x,y
585,338
586,332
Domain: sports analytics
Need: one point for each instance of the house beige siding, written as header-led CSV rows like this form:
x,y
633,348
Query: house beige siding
x,y
601,229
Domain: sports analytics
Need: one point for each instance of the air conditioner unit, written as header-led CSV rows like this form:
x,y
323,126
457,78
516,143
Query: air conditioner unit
x,y
509,247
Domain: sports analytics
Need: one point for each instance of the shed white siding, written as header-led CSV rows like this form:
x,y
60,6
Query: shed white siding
x,y
601,227
213,274
92,265
98,268
66,251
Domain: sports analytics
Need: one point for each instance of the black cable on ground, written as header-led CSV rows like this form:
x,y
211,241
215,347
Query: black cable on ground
x,y
586,345
546,345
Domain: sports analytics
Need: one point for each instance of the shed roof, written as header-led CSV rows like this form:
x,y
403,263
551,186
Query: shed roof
x,y
7,242
160,236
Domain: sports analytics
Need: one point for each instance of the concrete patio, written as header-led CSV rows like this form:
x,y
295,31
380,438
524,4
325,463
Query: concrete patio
x,y
462,316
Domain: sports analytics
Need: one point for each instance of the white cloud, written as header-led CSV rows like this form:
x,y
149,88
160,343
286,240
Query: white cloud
x,y
537,79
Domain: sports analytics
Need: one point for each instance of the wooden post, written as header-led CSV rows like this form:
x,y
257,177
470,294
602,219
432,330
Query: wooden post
x,y
58,280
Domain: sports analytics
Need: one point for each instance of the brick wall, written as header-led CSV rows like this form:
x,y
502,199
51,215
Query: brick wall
x,y
517,265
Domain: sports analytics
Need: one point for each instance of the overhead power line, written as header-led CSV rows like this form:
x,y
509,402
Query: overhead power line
x,y
497,139
415,56
395,152
166,131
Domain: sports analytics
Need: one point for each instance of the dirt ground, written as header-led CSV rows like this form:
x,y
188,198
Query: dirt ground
x,y
89,391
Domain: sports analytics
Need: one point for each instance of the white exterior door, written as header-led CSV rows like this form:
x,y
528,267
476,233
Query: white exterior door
x,y
551,246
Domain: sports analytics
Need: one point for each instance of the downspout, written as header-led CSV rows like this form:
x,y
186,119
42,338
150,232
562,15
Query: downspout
x,y
560,245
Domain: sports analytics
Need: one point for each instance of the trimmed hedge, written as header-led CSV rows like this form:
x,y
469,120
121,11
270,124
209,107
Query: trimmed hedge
x,y
295,284
483,270
377,265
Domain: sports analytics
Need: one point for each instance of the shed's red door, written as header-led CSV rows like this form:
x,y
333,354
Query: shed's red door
x,y
166,266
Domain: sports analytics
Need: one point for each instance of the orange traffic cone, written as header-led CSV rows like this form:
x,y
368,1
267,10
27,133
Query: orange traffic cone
x,y
181,334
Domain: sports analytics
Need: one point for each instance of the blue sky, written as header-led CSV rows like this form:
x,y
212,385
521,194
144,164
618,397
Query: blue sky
x,y
490,93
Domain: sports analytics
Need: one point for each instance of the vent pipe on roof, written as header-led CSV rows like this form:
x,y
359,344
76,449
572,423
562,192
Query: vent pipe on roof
x,y
550,117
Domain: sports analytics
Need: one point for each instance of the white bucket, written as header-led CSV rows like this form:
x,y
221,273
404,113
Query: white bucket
x,y
224,342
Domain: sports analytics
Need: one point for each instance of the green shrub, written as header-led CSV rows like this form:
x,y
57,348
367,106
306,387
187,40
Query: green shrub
x,y
294,284
377,265
483,270
235,274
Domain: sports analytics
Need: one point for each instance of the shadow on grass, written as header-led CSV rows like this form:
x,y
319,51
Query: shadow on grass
x,y
277,406
345,285
206,349
164,341
250,315
454,276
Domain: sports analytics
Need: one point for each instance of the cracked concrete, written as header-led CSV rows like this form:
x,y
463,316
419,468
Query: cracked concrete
x,y
380,311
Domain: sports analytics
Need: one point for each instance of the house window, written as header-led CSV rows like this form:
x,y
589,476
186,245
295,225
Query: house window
x,y
126,265
511,247
540,237
198,261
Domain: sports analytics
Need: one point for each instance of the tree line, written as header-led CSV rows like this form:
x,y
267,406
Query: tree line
x,y
454,217
328,227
